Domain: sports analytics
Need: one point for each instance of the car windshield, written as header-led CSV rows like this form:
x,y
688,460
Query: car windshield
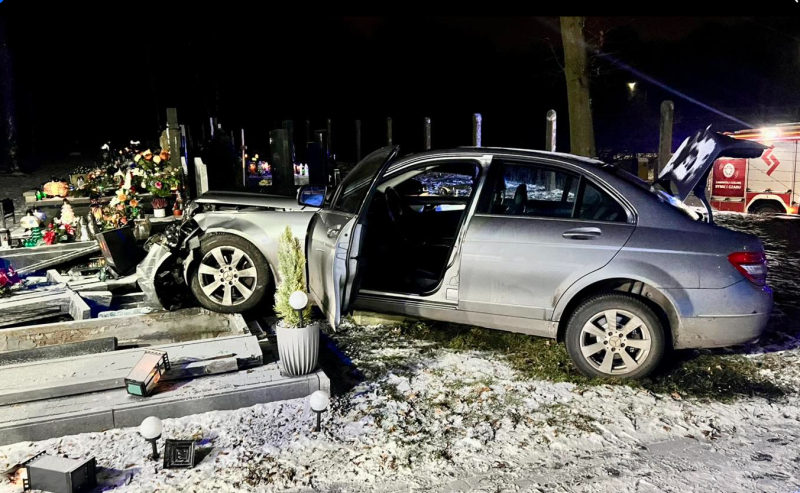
x,y
660,194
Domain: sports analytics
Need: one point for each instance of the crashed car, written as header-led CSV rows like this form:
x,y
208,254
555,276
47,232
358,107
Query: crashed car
x,y
541,243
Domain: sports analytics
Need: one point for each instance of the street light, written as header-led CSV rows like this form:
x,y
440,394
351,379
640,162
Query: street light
x,y
632,86
299,301
150,430
319,401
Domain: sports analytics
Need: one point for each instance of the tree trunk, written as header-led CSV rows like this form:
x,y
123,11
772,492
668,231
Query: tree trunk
x,y
581,131
9,124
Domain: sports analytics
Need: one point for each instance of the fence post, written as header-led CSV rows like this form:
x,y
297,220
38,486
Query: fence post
x,y
329,140
550,142
427,135
244,162
358,140
476,129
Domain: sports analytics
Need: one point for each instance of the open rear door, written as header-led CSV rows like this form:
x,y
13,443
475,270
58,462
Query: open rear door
x,y
692,162
334,236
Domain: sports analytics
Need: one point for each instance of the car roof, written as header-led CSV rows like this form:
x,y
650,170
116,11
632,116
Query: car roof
x,y
572,158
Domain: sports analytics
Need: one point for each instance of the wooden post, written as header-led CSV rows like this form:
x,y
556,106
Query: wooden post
x,y
427,135
550,138
174,133
665,135
358,140
581,130
477,119
388,130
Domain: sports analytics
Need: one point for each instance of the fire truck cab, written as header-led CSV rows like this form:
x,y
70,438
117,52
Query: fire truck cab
x,y
763,185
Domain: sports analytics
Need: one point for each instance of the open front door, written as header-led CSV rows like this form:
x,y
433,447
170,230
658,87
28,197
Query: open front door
x,y
334,237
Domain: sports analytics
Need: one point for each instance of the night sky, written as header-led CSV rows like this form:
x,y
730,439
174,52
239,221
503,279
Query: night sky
x,y
81,82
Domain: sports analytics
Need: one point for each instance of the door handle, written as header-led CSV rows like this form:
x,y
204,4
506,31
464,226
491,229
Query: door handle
x,y
333,232
582,234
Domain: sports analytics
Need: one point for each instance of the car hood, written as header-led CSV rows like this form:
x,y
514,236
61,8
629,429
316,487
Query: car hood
x,y
690,165
276,202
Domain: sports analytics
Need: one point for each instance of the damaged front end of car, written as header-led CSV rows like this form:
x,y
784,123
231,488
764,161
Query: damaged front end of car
x,y
161,275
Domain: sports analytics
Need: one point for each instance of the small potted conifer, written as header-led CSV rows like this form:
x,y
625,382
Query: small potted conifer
x,y
298,335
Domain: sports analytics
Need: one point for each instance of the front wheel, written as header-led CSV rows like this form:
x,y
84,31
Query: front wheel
x,y
232,275
615,336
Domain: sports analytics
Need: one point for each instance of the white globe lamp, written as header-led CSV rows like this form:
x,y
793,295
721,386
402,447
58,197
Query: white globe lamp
x,y
150,429
319,402
299,301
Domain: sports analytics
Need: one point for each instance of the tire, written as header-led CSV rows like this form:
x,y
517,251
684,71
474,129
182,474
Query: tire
x,y
768,209
587,334
212,280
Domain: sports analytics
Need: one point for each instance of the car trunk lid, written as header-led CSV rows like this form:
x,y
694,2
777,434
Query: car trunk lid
x,y
689,167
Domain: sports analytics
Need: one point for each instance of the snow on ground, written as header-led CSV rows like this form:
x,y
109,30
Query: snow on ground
x,y
433,419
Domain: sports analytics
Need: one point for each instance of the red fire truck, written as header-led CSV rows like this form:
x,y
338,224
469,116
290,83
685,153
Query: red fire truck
x,y
767,184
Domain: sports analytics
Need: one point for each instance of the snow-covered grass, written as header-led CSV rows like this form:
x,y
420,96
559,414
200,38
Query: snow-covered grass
x,y
412,413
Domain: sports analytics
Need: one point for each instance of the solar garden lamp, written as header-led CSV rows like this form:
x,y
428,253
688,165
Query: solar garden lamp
x,y
150,430
299,301
319,401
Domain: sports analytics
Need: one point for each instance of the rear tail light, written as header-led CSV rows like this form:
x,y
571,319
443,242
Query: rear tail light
x,y
752,265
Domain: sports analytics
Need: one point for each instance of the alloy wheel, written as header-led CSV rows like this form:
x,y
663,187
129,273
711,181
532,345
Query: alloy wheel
x,y
227,276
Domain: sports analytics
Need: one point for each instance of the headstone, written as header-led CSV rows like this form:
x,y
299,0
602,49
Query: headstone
x,y
281,161
201,176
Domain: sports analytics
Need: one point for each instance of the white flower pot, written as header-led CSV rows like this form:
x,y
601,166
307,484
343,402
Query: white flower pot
x,y
159,212
298,349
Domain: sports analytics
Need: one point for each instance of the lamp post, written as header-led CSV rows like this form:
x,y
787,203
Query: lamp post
x,y
299,301
319,401
150,430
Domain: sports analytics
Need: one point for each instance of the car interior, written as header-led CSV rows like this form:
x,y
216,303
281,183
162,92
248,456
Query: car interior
x,y
412,224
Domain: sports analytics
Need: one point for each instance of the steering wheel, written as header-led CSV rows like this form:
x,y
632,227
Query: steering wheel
x,y
394,205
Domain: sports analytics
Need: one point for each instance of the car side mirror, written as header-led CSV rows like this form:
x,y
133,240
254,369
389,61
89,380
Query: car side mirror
x,y
311,195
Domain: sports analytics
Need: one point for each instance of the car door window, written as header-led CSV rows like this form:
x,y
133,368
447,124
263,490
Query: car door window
x,y
597,205
356,185
525,190
421,190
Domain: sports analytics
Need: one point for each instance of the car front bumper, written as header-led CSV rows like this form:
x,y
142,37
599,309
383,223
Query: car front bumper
x,y
722,317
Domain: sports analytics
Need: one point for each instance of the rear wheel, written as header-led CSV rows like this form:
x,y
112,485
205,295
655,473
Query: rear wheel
x,y
615,336
232,275
767,209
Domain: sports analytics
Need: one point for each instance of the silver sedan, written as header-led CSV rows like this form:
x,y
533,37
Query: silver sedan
x,y
546,244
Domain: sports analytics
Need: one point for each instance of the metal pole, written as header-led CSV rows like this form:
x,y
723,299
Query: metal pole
x,y
358,140
476,129
665,135
550,142
319,415
389,131
155,449
427,137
